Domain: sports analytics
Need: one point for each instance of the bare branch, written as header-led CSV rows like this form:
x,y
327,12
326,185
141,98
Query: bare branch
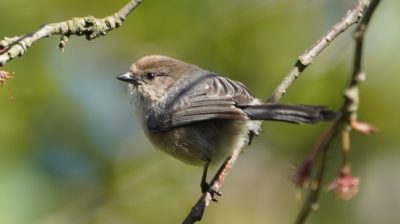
x,y
321,148
348,111
197,212
352,16
89,26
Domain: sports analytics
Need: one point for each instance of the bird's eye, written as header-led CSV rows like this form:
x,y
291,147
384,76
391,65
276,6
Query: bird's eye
x,y
150,76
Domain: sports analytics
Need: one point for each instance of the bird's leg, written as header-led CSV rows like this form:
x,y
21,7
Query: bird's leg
x,y
205,187
251,134
203,184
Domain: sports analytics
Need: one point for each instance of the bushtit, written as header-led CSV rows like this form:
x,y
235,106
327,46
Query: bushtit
x,y
200,117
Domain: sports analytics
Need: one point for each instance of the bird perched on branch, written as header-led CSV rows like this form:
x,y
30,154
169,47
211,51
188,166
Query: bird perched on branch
x,y
199,117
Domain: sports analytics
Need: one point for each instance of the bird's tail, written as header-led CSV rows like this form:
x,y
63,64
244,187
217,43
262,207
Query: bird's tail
x,y
289,113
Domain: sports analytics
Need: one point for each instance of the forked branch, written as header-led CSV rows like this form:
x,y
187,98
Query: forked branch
x,y
352,16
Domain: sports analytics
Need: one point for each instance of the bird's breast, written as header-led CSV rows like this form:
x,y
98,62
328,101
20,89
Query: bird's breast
x,y
212,140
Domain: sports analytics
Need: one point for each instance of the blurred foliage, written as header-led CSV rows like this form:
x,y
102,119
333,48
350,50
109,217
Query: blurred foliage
x,y
71,150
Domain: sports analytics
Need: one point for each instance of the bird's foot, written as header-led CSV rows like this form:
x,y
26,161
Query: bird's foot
x,y
205,187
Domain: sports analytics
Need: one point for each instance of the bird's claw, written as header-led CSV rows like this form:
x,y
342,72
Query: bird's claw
x,y
205,187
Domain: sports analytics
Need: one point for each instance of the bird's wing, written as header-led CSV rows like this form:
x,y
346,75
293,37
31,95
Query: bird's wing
x,y
213,97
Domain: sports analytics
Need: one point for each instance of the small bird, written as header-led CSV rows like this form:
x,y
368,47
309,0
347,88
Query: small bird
x,y
199,117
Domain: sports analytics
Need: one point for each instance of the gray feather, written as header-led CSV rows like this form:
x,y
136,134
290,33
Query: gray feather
x,y
289,113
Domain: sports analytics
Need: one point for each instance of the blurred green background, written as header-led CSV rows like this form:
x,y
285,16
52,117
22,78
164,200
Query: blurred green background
x,y
71,150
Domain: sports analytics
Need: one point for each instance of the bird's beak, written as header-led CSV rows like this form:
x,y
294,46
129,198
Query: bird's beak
x,y
128,77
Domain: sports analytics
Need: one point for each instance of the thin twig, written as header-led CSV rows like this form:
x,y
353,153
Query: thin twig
x,y
351,17
322,149
348,112
89,26
197,212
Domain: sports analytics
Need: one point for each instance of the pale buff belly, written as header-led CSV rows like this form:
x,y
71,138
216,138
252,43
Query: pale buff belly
x,y
199,142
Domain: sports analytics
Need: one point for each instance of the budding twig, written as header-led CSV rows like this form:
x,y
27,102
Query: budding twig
x,y
348,113
352,17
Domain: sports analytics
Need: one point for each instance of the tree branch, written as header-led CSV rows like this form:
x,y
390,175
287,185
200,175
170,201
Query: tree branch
x,y
197,212
89,26
352,16
347,117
